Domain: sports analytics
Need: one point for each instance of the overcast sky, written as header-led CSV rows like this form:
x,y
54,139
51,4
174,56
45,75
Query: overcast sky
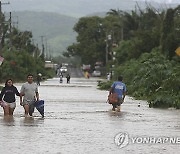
x,y
162,1
75,8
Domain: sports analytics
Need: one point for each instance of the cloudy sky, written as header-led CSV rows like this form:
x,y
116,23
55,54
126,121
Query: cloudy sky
x,y
75,8
162,1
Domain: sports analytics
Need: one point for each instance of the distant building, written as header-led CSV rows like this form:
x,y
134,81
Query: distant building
x,y
50,64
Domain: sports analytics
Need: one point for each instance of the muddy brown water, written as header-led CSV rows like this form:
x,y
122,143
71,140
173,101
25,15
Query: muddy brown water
x,y
79,121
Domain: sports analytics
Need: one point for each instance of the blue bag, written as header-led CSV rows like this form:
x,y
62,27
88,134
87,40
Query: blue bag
x,y
40,107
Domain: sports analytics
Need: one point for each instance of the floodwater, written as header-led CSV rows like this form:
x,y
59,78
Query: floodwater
x,y
79,121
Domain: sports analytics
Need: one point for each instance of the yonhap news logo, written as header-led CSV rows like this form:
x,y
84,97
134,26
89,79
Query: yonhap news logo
x,y
123,139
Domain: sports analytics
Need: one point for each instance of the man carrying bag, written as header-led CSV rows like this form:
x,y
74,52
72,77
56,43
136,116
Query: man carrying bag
x,y
117,94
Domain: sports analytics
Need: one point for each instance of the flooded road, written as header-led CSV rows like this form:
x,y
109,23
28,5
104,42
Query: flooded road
x,y
79,121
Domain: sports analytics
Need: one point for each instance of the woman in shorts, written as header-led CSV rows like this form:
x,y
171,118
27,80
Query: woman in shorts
x,y
7,97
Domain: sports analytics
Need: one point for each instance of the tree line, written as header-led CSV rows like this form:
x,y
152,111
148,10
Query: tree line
x,y
141,44
21,55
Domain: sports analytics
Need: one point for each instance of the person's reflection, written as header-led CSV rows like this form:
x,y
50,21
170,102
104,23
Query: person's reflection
x,y
31,121
8,120
115,114
28,120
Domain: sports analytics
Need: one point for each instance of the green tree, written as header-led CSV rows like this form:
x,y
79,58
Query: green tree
x,y
170,29
20,55
90,44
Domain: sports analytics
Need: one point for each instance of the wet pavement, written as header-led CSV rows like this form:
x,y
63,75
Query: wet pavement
x,y
79,121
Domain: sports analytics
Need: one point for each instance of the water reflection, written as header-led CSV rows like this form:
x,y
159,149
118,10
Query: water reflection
x,y
8,120
115,114
32,121
79,121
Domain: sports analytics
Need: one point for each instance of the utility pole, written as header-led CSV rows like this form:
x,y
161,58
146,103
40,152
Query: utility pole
x,y
1,33
1,25
49,52
107,46
46,49
43,48
108,42
10,30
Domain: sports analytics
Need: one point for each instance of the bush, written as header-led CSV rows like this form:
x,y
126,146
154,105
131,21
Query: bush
x,y
154,78
105,85
17,65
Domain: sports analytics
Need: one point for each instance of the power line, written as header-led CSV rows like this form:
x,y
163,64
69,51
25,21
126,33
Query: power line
x,y
3,4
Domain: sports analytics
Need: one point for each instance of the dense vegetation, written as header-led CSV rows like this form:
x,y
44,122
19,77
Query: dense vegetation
x,y
21,57
142,48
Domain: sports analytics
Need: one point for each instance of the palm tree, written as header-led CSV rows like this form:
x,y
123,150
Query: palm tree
x,y
120,16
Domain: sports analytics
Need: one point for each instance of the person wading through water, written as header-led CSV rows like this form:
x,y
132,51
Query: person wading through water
x,y
119,88
30,92
7,97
